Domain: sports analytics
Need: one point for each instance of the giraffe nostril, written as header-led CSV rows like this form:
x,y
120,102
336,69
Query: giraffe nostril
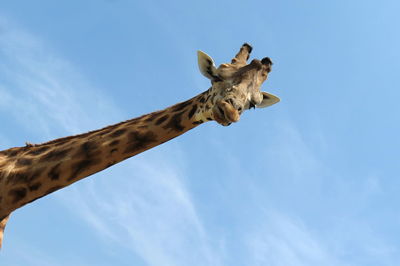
x,y
221,110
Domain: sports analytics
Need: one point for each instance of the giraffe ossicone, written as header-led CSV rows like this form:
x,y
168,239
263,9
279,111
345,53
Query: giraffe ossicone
x,y
33,171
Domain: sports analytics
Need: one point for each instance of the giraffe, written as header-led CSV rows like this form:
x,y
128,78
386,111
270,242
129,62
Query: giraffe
x,y
35,170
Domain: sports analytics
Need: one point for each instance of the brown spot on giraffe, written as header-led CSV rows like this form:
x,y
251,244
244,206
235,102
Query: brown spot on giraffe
x,y
89,149
55,155
150,117
162,119
118,133
34,186
114,143
23,162
174,122
80,167
17,177
54,172
17,194
181,106
192,111
139,140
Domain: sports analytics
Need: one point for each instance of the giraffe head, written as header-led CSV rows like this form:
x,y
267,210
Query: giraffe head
x,y
236,86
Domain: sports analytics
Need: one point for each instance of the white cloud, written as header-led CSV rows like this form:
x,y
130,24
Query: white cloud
x,y
146,208
43,91
281,240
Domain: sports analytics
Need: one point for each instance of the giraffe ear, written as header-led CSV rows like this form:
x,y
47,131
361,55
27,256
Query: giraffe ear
x,y
207,66
268,100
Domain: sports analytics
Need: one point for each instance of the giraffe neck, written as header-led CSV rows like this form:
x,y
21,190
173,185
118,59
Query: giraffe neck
x,y
28,173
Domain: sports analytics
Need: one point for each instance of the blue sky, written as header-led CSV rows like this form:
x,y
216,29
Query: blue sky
x,y
312,180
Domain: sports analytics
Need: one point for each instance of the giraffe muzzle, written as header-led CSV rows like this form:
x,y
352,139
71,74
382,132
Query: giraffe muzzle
x,y
225,113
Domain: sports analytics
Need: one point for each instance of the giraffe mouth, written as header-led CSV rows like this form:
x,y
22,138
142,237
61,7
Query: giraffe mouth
x,y
224,113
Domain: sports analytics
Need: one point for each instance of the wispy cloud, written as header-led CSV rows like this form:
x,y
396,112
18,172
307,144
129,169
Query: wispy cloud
x,y
148,210
41,88
283,240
